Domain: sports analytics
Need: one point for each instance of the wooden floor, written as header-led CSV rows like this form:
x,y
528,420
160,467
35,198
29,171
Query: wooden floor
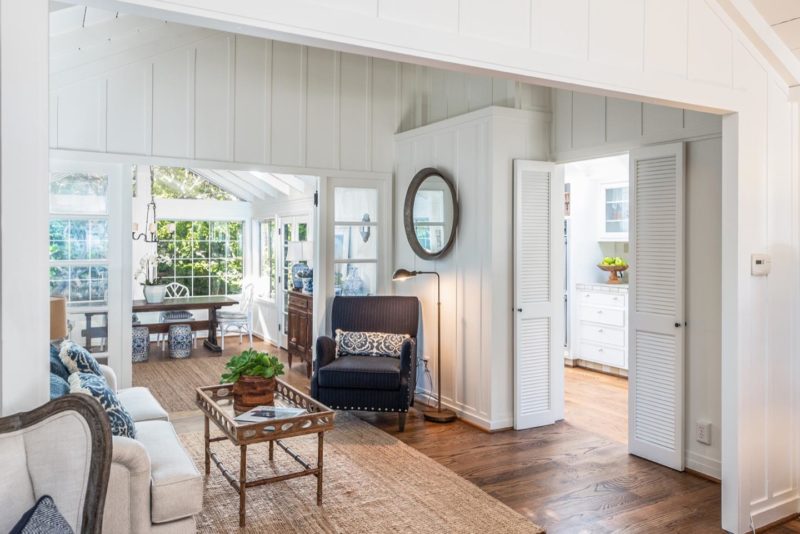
x,y
574,476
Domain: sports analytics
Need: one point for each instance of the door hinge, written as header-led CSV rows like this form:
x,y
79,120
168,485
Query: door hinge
x,y
316,198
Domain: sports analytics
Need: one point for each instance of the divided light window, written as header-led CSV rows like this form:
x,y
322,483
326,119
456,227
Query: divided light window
x,y
355,245
79,253
206,256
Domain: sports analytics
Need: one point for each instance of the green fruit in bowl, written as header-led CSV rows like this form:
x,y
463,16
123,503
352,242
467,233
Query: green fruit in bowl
x,y
608,261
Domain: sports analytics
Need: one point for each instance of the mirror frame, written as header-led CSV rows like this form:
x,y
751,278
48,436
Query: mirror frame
x,y
408,213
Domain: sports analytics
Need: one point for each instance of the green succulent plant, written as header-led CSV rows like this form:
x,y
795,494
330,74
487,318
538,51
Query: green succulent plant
x,y
251,363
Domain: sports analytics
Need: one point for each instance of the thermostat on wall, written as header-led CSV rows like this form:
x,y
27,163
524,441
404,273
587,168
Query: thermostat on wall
x,y
760,264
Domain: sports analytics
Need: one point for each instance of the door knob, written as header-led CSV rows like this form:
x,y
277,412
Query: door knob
x,y
519,309
677,325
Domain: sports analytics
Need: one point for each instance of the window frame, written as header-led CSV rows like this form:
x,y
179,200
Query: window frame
x,y
178,278
381,227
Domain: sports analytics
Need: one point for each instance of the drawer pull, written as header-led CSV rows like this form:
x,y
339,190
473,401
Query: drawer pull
x,y
588,295
599,330
599,312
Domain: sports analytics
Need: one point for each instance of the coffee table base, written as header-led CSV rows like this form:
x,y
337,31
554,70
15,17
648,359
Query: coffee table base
x,y
241,484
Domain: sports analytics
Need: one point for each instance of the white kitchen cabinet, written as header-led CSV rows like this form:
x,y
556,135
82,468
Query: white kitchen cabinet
x,y
602,324
614,212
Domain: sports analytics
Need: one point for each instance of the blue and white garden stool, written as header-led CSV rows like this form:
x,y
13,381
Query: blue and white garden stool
x,y
141,344
180,341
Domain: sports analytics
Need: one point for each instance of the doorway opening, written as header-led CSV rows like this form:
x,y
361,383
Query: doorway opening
x,y
596,255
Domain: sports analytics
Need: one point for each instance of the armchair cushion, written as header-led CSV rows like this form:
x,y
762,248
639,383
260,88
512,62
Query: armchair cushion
x,y
369,343
43,517
95,386
361,372
78,360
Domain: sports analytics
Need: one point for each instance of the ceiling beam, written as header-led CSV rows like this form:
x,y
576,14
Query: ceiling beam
x,y
238,182
293,181
225,184
255,181
764,38
270,179
260,192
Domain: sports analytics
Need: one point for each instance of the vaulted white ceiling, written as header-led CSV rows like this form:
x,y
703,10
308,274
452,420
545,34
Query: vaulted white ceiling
x,y
784,17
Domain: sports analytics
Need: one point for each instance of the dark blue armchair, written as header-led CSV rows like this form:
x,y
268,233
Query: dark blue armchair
x,y
369,383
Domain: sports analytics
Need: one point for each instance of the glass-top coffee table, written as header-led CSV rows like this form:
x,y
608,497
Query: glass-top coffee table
x,y
216,402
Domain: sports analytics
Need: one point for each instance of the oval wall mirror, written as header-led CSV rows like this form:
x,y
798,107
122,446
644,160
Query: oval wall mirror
x,y
430,214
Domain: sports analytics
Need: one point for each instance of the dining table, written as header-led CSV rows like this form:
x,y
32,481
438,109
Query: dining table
x,y
210,303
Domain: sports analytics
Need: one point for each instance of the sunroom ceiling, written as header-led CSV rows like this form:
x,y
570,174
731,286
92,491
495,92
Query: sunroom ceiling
x,y
255,185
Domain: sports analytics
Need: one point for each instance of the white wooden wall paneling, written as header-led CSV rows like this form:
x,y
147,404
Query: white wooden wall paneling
x,y
476,150
712,63
587,126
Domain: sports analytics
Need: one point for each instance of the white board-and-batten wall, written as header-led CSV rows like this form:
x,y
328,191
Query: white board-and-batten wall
x,y
476,150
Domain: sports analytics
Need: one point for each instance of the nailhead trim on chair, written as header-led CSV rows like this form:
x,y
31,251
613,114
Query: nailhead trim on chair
x,y
360,409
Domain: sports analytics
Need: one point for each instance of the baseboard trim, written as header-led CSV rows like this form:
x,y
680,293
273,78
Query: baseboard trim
x,y
704,465
704,476
487,425
776,514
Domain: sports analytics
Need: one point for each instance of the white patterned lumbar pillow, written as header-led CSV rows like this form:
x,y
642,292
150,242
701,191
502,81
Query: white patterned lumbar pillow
x,y
369,343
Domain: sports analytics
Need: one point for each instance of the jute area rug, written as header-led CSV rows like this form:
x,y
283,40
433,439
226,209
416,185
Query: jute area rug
x,y
372,483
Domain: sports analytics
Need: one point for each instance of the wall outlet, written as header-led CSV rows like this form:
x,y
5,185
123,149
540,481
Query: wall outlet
x,y
703,432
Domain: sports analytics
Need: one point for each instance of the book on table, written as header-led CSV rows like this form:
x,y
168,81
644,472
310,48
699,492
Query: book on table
x,y
260,414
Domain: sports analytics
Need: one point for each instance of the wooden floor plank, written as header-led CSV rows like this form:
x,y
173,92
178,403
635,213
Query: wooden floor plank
x,y
574,476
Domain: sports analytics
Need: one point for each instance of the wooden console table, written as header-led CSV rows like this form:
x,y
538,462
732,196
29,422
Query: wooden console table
x,y
211,303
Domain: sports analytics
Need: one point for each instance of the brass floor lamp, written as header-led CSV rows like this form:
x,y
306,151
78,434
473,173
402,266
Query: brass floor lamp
x,y
438,415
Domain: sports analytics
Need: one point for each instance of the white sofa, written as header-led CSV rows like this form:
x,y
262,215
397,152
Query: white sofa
x,y
154,485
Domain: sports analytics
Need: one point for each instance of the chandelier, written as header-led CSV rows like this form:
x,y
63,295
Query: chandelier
x,y
150,233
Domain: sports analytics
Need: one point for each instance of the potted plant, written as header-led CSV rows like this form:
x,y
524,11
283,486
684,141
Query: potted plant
x,y
147,275
252,374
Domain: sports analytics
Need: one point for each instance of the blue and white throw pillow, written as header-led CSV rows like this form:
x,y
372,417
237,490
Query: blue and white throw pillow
x,y
78,360
57,367
43,517
95,386
58,386
369,343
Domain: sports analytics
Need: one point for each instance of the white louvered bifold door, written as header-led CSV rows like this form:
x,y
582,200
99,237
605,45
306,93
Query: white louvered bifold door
x,y
656,304
538,304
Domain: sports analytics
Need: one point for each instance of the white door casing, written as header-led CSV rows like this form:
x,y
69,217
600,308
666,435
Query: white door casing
x,y
656,304
538,300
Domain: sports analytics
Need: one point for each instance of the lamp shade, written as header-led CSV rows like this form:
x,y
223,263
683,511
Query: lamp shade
x,y
308,250
403,274
294,251
58,318
298,251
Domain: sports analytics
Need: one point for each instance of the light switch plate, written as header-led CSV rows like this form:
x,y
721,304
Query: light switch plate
x,y
760,264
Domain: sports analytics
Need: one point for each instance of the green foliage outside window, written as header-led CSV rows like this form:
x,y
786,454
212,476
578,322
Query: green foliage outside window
x,y
206,256
180,183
